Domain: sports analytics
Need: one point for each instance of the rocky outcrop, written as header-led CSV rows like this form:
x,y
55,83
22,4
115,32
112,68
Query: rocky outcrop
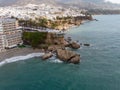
x,y
75,45
75,59
65,55
47,56
54,38
68,56
66,43
53,48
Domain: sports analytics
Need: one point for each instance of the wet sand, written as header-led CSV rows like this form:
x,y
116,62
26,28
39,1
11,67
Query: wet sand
x,y
18,52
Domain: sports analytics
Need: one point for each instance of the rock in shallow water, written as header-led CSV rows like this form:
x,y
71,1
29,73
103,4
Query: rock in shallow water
x,y
86,44
75,59
47,56
68,56
75,45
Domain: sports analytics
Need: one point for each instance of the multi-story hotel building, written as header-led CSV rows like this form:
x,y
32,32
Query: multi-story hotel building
x,y
2,43
10,35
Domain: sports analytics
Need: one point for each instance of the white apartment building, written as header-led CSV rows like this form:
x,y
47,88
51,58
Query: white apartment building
x,y
10,36
2,43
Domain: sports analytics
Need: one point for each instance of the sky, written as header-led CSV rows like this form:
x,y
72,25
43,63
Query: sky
x,y
114,1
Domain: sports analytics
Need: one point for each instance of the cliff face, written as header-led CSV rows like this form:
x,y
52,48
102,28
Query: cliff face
x,y
53,38
60,23
42,39
66,22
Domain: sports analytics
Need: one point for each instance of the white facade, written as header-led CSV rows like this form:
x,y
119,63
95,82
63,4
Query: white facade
x,y
9,35
2,43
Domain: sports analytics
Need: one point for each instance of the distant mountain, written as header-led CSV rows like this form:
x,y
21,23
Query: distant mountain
x,y
24,2
7,2
86,4
76,1
91,4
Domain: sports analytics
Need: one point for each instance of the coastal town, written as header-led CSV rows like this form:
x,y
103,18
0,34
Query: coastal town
x,y
42,27
32,11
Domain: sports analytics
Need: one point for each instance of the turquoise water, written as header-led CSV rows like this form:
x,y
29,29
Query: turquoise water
x,y
99,68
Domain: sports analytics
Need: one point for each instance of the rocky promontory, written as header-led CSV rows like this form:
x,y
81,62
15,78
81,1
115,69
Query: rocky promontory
x,y
74,45
68,56
53,43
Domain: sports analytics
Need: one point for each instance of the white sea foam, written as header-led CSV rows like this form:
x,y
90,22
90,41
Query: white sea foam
x,y
56,61
19,58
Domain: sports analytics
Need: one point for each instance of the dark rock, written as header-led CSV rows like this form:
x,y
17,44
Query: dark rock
x,y
69,39
75,45
86,44
95,19
80,43
47,56
77,41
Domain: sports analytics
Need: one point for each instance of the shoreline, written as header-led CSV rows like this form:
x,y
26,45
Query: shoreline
x,y
24,52
16,52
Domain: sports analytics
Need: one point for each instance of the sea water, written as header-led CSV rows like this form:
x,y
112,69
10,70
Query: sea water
x,y
99,68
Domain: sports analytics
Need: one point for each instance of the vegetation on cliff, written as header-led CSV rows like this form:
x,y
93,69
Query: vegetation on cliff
x,y
42,39
59,23
34,38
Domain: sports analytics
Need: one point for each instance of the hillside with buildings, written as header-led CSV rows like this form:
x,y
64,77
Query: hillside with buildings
x,y
42,10
86,4
93,6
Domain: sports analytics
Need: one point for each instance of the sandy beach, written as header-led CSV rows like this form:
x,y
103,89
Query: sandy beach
x,y
17,52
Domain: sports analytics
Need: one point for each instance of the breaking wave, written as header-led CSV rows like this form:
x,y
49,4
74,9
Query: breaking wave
x,y
19,58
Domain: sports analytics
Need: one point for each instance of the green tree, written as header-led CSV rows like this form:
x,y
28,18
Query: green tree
x,y
34,38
